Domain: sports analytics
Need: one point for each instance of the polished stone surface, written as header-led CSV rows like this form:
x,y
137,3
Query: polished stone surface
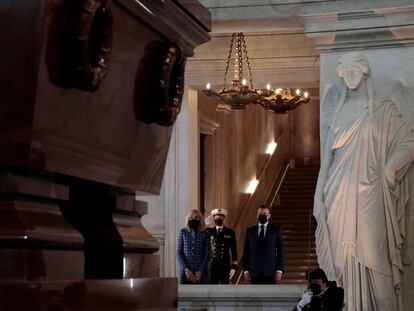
x,y
91,295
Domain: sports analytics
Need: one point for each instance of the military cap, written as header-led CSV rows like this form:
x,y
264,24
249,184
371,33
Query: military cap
x,y
219,211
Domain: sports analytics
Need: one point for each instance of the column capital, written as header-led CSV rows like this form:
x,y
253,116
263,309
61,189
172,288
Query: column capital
x,y
373,29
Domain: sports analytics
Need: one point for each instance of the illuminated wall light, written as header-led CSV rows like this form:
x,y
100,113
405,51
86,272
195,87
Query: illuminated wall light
x,y
252,186
271,148
124,267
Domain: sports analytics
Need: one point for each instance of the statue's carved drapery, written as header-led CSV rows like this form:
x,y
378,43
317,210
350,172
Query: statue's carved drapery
x,y
362,192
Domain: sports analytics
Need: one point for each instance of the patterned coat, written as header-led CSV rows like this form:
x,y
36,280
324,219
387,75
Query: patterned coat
x,y
193,252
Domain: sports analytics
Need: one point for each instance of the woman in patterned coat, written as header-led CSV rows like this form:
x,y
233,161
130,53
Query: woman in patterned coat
x,y
193,250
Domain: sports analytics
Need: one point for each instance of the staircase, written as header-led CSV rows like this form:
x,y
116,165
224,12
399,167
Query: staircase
x,y
291,211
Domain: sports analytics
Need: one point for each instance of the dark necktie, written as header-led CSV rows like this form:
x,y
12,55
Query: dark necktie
x,y
218,231
261,233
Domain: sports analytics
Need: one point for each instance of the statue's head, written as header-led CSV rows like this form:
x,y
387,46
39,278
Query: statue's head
x,y
353,68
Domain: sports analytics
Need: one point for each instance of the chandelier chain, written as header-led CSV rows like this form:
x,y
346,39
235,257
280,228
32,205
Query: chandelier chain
x,y
239,53
248,63
228,61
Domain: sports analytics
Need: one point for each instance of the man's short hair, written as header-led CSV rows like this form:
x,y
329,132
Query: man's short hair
x,y
318,273
264,206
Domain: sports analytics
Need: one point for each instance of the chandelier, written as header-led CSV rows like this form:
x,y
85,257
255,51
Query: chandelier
x,y
238,95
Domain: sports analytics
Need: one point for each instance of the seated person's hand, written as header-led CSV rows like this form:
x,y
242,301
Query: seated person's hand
x,y
305,300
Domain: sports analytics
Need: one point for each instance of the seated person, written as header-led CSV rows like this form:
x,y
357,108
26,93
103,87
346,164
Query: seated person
x,y
322,295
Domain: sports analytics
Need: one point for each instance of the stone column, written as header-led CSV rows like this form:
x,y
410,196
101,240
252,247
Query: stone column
x,y
179,191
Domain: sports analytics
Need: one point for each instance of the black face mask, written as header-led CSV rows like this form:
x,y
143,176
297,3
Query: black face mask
x,y
194,223
315,288
262,218
218,222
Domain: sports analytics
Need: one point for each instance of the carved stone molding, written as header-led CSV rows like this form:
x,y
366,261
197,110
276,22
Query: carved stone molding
x,y
159,84
170,20
380,28
93,43
36,241
207,115
208,125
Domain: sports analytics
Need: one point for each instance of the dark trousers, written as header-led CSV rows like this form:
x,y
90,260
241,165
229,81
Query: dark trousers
x,y
219,277
262,279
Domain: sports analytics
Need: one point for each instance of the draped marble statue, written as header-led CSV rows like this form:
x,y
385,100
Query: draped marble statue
x,y
362,191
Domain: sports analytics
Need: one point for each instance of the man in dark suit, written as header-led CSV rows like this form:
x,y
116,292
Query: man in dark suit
x,y
263,257
223,249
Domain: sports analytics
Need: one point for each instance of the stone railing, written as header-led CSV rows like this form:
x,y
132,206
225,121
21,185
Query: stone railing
x,y
238,297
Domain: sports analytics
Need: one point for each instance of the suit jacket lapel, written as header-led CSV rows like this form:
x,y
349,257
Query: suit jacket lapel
x,y
255,233
269,230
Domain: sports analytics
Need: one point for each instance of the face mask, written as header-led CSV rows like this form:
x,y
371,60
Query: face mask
x,y
262,218
194,223
315,288
218,222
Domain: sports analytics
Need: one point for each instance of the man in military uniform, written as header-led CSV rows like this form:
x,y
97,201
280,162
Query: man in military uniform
x,y
223,248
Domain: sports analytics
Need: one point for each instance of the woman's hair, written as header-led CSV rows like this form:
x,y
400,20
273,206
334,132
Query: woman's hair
x,y
200,216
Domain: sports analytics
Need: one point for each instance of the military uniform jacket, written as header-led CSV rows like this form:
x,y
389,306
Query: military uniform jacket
x,y
223,249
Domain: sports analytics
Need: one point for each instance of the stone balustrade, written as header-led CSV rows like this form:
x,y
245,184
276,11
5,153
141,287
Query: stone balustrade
x,y
238,297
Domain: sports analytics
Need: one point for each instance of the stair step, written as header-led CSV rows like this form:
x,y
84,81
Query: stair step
x,y
303,269
304,167
291,242
287,214
290,234
307,170
297,222
299,182
293,255
296,236
293,182
297,196
292,209
288,243
292,213
290,228
301,261
298,187
289,218
294,281
297,275
297,202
